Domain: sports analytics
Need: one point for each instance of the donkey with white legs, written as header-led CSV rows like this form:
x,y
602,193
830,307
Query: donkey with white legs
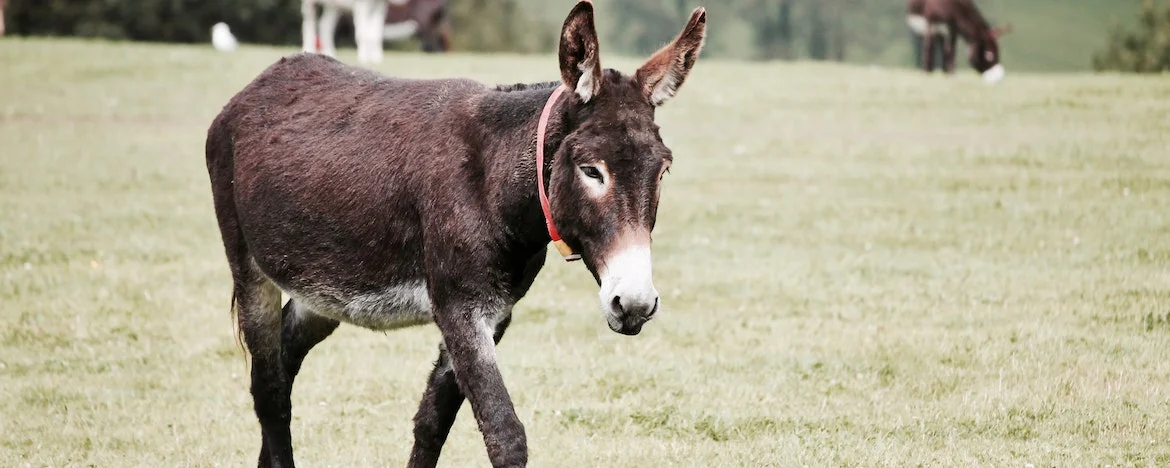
x,y
369,18
388,203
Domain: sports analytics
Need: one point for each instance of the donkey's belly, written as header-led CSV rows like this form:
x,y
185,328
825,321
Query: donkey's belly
x,y
919,24
398,306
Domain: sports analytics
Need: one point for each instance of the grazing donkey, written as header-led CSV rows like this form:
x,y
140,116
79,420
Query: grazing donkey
x,y
375,21
387,203
369,18
943,21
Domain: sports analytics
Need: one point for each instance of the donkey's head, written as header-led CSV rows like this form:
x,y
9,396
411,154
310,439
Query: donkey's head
x,y
985,54
605,177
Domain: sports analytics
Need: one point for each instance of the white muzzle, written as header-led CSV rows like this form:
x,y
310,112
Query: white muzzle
x,y
627,294
994,74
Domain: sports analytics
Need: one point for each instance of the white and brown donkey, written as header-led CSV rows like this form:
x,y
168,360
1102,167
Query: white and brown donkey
x,y
369,18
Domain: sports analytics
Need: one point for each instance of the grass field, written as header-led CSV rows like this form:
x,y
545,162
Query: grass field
x,y
860,267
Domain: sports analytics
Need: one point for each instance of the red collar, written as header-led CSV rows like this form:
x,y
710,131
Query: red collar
x,y
561,246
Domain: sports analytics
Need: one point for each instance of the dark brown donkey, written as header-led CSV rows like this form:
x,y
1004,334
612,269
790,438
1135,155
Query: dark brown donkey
x,y
387,203
944,21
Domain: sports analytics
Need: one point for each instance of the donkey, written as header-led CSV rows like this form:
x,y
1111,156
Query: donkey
x,y
944,21
369,17
387,203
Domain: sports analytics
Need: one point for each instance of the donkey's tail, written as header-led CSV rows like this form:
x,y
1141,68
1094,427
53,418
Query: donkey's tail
x,y
220,154
237,333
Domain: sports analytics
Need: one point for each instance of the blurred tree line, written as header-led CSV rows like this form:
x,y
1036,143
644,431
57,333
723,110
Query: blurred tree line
x,y
476,22
766,29
748,29
1144,48
864,31
258,21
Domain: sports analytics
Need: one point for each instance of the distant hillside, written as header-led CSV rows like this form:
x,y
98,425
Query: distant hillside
x,y
1050,35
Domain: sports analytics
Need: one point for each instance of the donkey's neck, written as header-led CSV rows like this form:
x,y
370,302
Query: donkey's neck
x,y
971,23
508,118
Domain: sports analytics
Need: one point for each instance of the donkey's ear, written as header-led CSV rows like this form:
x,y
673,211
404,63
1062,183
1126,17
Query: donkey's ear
x,y
580,62
1001,31
663,74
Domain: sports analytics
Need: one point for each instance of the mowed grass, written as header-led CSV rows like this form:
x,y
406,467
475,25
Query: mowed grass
x,y
859,266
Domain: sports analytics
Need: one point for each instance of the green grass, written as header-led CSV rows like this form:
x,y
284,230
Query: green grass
x,y
860,267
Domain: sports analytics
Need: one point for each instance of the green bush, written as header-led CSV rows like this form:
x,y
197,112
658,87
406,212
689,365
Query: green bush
x,y
257,21
498,25
1144,49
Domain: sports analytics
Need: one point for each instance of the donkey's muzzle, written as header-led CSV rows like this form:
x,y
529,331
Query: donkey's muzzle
x,y
627,293
994,74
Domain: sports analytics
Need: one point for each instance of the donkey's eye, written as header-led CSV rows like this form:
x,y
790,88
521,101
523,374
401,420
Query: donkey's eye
x,y
592,173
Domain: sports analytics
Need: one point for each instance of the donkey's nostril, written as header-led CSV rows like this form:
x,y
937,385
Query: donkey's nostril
x,y
616,304
653,310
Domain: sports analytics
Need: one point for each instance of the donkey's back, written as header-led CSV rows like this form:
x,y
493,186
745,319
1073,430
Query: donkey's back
x,y
311,94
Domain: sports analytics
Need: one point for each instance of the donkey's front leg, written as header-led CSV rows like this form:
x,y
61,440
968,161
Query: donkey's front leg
x,y
928,49
468,327
440,403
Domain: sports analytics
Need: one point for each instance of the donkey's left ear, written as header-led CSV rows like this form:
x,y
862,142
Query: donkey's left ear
x,y
664,73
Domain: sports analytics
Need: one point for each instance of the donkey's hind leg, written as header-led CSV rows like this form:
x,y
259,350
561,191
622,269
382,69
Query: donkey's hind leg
x,y
302,331
440,403
261,323
928,50
369,18
949,51
327,32
308,26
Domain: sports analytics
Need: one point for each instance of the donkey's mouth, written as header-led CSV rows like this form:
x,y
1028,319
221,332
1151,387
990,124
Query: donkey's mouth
x,y
994,74
628,325
627,294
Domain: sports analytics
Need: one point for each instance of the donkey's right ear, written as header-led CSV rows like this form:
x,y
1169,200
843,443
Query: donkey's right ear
x,y
1001,31
664,72
580,61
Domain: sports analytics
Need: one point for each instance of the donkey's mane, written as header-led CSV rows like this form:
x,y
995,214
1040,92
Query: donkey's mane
x,y
527,86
